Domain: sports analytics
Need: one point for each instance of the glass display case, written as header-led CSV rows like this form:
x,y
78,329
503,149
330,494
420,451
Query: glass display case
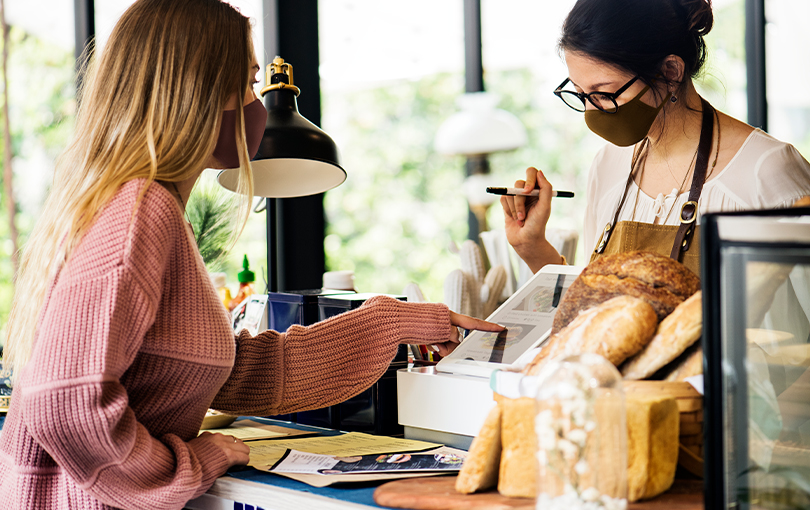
x,y
756,285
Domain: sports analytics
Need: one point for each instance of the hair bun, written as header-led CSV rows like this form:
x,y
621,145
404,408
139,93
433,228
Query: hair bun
x,y
699,17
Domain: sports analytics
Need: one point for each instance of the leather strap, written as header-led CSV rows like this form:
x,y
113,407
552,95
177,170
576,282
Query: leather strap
x,y
688,213
689,210
610,227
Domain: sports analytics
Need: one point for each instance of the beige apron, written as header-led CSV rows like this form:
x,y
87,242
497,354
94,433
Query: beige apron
x,y
634,235
680,242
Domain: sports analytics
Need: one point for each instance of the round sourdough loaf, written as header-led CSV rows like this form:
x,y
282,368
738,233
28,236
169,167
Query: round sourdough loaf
x,y
662,282
615,329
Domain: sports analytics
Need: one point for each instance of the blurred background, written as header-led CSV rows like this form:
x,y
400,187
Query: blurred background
x,y
390,74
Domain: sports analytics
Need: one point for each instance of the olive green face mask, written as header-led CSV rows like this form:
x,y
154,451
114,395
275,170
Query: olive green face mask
x,y
629,124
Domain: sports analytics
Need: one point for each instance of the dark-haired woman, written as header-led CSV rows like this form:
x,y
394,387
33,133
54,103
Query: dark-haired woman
x,y
630,69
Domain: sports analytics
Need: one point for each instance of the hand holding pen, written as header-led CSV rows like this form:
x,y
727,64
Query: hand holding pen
x,y
526,215
535,186
520,192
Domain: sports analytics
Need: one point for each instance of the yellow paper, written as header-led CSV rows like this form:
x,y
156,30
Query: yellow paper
x,y
249,430
267,453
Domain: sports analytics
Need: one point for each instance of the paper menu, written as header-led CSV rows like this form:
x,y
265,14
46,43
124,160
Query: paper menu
x,y
264,454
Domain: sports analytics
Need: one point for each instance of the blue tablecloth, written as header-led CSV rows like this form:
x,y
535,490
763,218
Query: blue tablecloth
x,y
362,494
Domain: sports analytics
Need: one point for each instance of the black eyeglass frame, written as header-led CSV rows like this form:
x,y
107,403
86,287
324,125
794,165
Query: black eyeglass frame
x,y
582,96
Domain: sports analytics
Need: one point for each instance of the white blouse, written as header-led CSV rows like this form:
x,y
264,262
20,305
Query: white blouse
x,y
764,174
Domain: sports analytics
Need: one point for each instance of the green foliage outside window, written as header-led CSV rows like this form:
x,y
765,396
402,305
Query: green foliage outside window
x,y
402,205
42,111
393,219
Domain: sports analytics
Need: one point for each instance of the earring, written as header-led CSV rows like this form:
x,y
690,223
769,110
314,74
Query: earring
x,y
674,99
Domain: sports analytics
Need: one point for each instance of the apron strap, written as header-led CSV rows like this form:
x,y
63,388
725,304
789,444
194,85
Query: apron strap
x,y
689,210
610,227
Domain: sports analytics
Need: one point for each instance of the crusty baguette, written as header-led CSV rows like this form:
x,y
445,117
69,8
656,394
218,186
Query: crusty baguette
x,y
534,366
674,335
660,281
688,364
480,469
615,329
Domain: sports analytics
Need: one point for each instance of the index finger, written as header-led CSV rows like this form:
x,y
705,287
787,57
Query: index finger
x,y
531,179
522,204
467,322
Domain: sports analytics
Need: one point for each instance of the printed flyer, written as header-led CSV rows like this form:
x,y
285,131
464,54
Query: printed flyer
x,y
312,463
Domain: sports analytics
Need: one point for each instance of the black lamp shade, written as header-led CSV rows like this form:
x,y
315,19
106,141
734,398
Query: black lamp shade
x,y
295,158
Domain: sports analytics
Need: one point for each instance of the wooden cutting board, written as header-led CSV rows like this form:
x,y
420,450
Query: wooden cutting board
x,y
439,493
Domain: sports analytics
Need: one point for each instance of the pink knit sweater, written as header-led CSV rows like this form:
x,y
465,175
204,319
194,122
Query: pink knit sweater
x,y
133,345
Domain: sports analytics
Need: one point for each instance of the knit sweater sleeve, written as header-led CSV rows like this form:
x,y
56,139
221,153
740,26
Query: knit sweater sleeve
x,y
328,362
74,404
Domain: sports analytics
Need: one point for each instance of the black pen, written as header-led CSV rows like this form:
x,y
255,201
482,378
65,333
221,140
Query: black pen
x,y
519,192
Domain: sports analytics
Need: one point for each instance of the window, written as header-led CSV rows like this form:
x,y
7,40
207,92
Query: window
x,y
41,94
522,66
389,75
787,51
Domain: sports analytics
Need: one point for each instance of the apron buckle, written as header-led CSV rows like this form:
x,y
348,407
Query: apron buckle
x,y
689,212
604,239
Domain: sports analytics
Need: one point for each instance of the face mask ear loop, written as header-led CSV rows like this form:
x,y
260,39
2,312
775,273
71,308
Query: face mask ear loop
x,y
670,95
638,96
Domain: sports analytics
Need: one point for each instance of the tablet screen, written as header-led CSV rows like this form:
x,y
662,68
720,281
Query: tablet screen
x,y
527,315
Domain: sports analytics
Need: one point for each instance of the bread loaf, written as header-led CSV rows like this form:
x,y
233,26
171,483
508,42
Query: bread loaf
x,y
652,446
674,335
615,329
480,470
518,469
688,364
659,280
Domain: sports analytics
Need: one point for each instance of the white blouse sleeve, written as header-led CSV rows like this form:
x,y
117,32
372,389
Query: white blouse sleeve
x,y
782,177
764,174
589,229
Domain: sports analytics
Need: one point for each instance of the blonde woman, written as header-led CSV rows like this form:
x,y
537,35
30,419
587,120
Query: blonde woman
x,y
117,339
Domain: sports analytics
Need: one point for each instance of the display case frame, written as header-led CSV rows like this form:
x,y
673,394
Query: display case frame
x,y
729,242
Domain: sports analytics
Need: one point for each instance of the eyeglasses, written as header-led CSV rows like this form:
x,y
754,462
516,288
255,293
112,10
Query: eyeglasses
x,y
605,101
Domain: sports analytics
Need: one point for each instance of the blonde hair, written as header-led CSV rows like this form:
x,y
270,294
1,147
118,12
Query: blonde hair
x,y
150,108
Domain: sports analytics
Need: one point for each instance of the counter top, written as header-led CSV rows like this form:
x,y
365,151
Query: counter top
x,y
250,486
247,486
264,490
439,494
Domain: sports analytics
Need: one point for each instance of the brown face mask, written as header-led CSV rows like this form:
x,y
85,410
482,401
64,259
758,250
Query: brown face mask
x,y
629,124
255,118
